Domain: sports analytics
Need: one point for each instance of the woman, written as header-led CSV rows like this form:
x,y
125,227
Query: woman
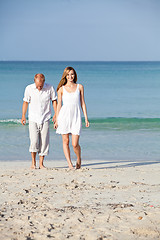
x,y
68,117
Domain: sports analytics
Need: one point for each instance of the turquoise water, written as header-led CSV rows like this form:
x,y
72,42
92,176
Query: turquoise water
x,y
123,104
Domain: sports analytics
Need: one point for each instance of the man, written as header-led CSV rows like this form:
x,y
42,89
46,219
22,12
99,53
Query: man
x,y
38,96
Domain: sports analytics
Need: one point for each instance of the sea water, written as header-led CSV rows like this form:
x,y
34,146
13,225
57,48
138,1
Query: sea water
x,y
123,104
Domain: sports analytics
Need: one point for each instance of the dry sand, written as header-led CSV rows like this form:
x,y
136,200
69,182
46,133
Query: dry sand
x,y
102,200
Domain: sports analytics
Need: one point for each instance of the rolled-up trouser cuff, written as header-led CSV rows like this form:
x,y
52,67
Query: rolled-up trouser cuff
x,y
39,138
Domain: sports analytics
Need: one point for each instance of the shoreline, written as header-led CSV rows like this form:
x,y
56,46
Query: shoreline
x,y
95,164
102,200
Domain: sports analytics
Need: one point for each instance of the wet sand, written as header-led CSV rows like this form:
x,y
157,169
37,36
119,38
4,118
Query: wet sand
x,y
102,200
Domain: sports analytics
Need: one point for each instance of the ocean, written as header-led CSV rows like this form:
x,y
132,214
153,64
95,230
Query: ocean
x,y
123,104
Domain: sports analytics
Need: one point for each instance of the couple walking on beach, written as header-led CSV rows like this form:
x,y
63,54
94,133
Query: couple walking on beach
x,y
67,117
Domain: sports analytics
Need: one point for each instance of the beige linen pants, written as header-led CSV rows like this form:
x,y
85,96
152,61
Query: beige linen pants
x,y
39,137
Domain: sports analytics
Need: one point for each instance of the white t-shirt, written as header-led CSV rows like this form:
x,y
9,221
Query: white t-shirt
x,y
39,102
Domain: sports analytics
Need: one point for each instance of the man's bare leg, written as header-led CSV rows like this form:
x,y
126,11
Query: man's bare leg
x,y
33,155
41,159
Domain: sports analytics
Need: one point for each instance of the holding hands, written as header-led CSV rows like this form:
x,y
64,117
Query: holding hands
x,y
55,125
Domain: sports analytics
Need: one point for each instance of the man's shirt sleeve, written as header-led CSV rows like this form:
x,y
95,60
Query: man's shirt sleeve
x,y
26,95
53,94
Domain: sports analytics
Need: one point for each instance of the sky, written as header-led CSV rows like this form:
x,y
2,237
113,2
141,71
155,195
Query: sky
x,y
80,30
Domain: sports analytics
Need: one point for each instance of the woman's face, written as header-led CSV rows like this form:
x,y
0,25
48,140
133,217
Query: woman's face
x,y
70,76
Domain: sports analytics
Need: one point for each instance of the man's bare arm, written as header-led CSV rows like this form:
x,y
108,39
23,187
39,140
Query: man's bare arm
x,y
24,110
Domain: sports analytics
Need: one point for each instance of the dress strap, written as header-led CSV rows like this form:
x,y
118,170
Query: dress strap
x,y
77,86
63,88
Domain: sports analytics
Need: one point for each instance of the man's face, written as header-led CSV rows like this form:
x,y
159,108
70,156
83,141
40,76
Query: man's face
x,y
39,83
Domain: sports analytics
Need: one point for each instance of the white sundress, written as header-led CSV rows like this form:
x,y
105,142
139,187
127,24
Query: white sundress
x,y
69,118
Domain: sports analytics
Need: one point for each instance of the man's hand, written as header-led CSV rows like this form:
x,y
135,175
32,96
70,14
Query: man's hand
x,y
23,120
24,110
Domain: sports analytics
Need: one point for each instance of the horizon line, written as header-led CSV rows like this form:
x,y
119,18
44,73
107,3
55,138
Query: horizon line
x,y
79,60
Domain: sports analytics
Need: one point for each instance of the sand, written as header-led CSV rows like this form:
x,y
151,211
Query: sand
x,y
102,200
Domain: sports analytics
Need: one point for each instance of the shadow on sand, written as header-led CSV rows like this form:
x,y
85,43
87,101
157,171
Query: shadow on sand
x,y
119,164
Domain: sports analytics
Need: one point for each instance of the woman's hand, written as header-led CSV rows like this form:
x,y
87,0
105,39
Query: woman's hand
x,y
55,125
87,123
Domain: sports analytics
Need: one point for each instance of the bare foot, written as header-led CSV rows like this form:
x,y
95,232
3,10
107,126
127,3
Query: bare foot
x,y
78,164
33,167
42,167
71,166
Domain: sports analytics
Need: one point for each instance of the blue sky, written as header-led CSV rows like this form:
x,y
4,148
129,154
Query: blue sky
x,y
80,30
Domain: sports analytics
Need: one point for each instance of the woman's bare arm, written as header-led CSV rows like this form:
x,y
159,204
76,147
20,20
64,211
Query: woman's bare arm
x,y
83,104
59,105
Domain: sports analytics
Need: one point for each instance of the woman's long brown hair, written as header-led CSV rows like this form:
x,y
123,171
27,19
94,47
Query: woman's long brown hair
x,y
64,79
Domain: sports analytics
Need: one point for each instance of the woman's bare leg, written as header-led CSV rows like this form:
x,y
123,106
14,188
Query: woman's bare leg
x,y
66,150
77,150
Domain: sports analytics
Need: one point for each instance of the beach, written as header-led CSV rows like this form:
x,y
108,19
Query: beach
x,y
102,200
115,195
